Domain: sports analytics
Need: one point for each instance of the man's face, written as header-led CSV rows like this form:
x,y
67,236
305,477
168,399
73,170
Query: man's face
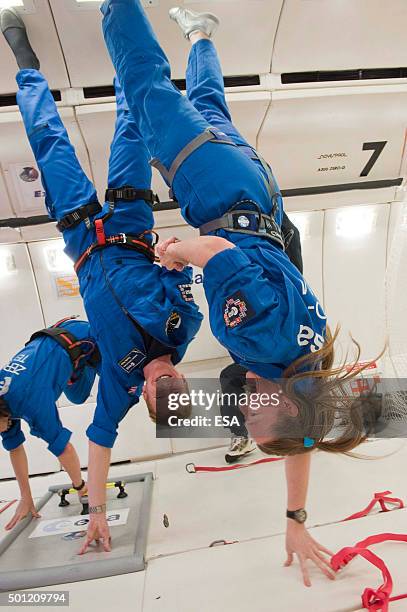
x,y
266,405
153,388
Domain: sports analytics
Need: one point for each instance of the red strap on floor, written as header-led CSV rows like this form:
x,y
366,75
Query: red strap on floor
x,y
373,600
238,466
382,499
100,232
7,505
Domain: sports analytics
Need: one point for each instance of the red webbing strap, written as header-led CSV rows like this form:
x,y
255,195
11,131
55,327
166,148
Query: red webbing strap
x,y
373,600
100,232
238,466
4,508
382,499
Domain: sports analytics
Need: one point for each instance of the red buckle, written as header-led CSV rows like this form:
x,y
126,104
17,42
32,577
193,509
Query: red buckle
x,y
100,232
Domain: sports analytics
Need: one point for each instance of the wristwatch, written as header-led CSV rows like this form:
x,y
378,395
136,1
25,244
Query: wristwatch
x,y
97,509
81,486
299,516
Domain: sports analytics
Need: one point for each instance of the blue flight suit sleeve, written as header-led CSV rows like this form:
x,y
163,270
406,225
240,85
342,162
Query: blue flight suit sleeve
x,y
79,391
46,424
113,403
244,305
14,437
179,292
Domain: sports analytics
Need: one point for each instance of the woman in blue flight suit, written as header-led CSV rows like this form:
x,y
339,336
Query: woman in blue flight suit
x,y
143,316
61,359
261,309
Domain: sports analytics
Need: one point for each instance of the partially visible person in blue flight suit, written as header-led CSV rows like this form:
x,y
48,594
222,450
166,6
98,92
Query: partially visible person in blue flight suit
x,y
143,316
261,308
61,359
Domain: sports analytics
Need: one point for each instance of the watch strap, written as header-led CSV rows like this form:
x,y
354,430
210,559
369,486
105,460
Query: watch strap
x,y
97,509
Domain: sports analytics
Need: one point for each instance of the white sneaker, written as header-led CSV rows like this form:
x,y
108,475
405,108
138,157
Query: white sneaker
x,y
189,21
239,447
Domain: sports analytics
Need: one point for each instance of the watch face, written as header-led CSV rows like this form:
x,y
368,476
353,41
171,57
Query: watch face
x,y
301,516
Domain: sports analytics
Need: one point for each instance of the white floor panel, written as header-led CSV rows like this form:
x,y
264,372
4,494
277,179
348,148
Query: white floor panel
x,y
251,575
250,503
124,593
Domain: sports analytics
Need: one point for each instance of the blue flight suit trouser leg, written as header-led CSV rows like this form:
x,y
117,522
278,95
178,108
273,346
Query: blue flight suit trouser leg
x,y
206,91
205,184
66,185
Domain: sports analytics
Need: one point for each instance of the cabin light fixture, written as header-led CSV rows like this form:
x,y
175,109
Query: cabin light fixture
x,y
11,3
301,222
7,263
356,222
56,259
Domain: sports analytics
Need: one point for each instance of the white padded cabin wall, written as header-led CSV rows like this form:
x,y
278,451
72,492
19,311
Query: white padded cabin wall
x,y
316,138
6,212
340,35
89,64
311,228
15,154
355,251
44,38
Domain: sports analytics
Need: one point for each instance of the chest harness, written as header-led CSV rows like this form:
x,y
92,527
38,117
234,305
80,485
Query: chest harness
x,y
84,213
239,218
78,350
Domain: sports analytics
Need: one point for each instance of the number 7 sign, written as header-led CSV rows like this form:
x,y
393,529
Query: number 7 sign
x,y
377,148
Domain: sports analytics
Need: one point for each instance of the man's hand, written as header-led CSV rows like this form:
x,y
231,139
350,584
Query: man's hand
x,y
168,255
299,542
98,530
23,509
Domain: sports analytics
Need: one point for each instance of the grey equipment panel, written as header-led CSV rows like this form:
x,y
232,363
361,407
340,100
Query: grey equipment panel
x,y
27,563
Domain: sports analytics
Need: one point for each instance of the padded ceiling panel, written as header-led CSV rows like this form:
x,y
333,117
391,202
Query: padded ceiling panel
x,y
89,65
340,34
44,39
312,139
17,161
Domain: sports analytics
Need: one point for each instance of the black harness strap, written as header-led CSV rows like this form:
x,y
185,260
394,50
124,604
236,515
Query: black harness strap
x,y
126,193
70,343
129,194
246,221
78,215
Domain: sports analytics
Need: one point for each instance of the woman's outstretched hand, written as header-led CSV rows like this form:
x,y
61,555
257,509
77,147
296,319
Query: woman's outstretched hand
x,y
299,542
24,508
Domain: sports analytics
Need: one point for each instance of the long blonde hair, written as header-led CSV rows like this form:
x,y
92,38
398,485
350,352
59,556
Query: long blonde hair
x,y
328,412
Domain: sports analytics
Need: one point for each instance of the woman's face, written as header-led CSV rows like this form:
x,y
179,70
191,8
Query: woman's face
x,y
266,405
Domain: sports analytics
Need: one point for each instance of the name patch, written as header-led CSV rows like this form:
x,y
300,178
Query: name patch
x,y
186,293
237,310
132,360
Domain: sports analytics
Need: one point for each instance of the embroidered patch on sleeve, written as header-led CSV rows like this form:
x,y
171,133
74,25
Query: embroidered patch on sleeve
x,y
237,310
132,360
173,322
186,293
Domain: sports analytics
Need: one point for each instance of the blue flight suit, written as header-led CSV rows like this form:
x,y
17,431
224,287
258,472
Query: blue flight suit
x,y
35,378
260,307
130,302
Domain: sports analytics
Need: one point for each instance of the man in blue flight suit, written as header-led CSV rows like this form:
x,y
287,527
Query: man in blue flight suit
x,y
143,316
60,359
